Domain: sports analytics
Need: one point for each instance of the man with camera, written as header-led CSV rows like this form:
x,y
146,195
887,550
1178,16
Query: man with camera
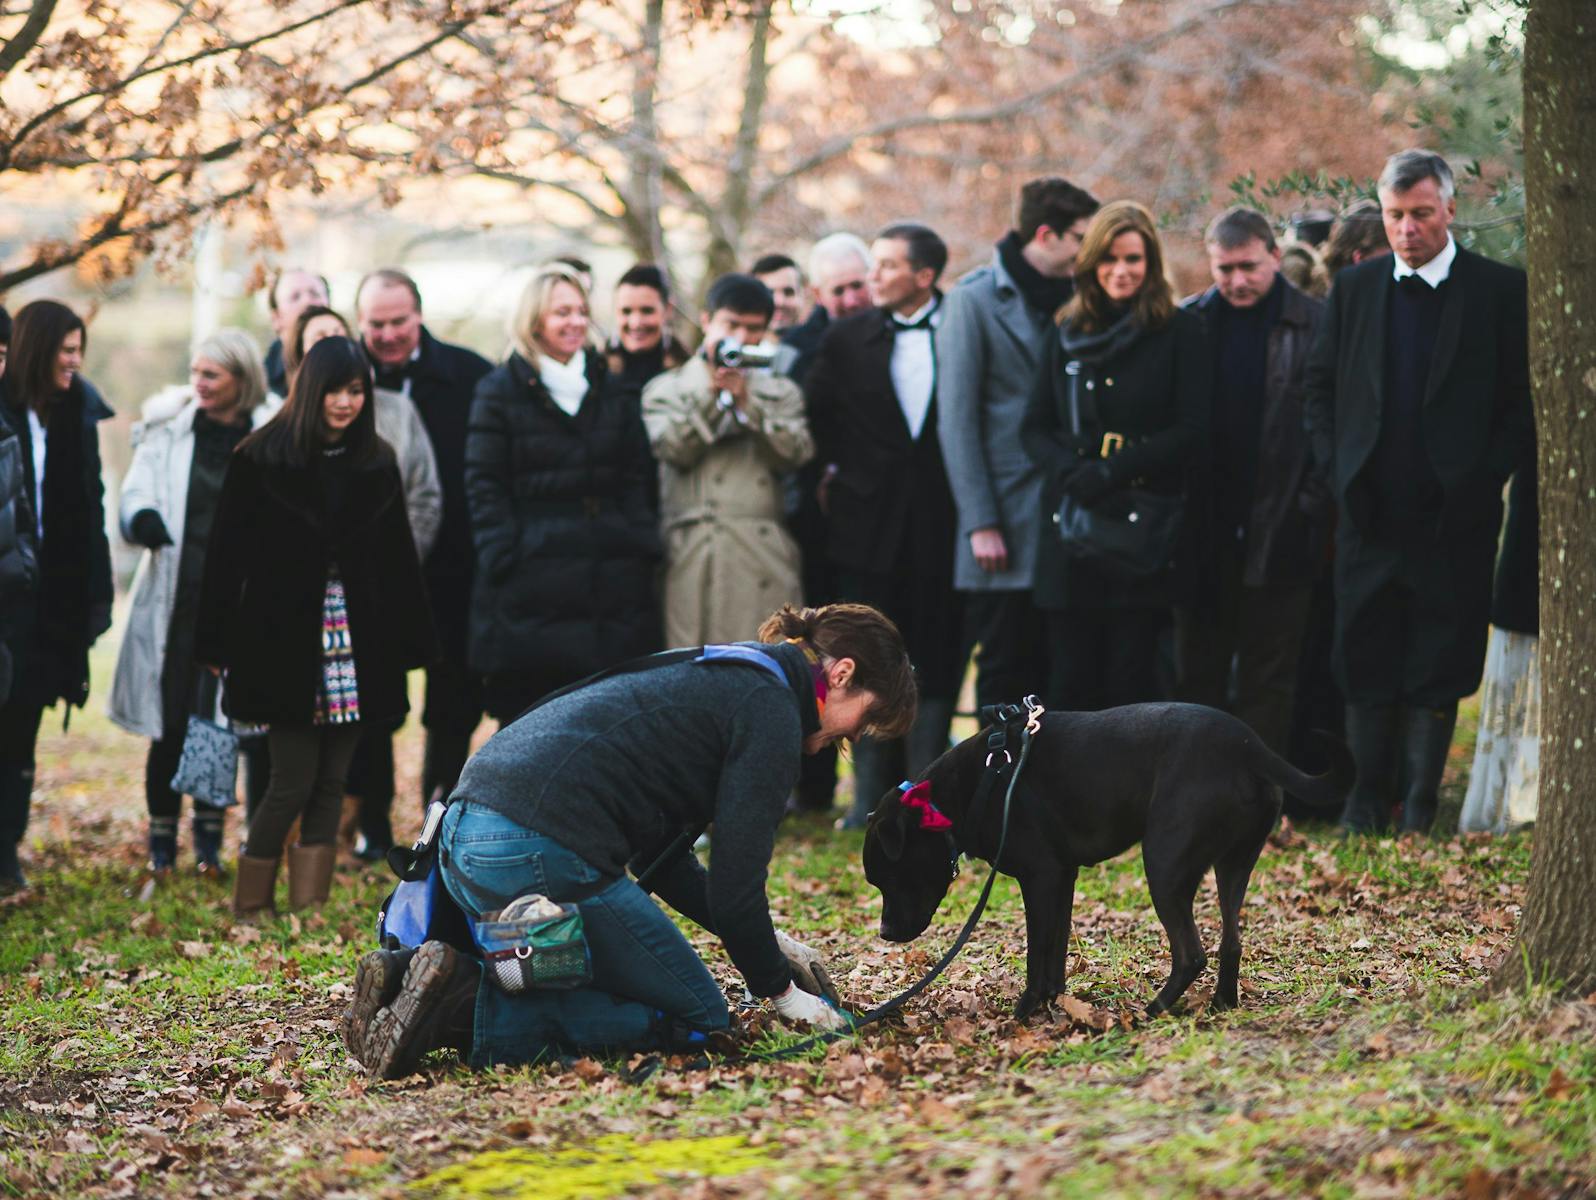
x,y
724,428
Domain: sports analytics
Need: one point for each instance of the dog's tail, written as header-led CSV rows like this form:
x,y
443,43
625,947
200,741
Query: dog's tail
x,y
1327,791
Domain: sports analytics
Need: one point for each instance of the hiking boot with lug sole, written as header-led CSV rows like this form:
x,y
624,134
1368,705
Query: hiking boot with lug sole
x,y
433,1011
378,979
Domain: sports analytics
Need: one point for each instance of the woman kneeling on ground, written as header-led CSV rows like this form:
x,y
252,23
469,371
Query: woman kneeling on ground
x,y
560,801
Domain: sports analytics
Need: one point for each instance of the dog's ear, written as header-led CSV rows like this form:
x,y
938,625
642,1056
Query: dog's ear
x,y
889,826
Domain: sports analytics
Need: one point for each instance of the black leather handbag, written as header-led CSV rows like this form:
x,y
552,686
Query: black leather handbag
x,y
1129,533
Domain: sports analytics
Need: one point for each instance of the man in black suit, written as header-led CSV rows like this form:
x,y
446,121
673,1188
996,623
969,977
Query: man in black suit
x,y
890,517
440,380
1417,404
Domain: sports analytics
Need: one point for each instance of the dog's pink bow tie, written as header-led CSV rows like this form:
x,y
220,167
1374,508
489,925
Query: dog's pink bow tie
x,y
918,797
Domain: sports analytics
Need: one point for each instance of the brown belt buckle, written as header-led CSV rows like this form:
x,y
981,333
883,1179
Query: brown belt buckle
x,y
1112,444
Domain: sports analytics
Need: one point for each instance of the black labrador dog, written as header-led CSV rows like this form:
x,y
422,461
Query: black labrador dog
x,y
1194,785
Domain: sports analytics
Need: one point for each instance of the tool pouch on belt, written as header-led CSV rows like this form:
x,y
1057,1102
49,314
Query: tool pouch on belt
x,y
534,943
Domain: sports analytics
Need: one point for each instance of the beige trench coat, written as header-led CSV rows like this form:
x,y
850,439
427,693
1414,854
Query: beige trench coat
x,y
730,561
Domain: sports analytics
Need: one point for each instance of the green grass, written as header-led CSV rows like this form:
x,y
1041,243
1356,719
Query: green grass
x,y
148,1047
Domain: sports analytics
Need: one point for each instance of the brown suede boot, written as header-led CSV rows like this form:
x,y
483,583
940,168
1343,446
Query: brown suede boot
x,y
310,872
254,888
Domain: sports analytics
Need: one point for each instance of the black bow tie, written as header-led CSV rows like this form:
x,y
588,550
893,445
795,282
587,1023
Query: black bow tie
x,y
1415,283
904,326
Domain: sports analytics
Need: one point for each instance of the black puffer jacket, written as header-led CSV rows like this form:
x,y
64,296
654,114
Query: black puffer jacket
x,y
566,539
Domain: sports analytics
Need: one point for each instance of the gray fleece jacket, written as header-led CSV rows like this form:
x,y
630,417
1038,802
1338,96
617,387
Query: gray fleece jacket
x,y
617,769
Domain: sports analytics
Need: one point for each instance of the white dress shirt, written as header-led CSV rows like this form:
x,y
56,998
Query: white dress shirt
x,y
1435,272
914,365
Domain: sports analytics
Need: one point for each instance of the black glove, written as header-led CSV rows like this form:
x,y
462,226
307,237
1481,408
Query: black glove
x,y
149,530
1089,481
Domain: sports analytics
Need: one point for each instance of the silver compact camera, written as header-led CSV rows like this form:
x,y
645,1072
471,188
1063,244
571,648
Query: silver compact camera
x,y
732,353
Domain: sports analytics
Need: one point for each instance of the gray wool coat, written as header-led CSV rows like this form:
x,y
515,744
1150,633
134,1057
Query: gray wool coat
x,y
988,348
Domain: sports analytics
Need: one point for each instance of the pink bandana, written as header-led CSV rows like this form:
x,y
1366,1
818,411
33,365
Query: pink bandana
x,y
917,796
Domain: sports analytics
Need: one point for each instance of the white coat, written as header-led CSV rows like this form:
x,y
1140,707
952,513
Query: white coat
x,y
157,478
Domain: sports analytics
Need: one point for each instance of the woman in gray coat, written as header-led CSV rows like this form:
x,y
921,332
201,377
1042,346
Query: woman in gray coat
x,y
180,454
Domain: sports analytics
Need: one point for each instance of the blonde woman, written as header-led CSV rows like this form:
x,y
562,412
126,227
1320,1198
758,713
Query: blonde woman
x,y
1121,402
558,475
169,497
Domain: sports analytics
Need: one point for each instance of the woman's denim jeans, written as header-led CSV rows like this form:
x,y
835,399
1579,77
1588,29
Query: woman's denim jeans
x,y
642,965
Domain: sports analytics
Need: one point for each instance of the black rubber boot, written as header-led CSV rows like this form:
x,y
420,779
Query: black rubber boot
x,y
16,796
434,1010
1371,736
163,844
208,825
378,979
1426,737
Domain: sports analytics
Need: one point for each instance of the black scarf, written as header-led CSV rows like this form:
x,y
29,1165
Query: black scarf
x,y
1104,344
1041,293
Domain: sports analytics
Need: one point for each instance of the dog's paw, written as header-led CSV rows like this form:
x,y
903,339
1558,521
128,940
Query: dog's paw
x,y
1031,1000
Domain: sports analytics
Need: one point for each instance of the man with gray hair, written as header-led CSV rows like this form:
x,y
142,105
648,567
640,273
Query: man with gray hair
x,y
839,269
1417,406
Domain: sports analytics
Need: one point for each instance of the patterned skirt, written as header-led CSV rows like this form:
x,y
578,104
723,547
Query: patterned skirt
x,y
338,697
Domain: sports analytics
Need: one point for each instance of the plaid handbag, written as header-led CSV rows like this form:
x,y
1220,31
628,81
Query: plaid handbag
x,y
208,769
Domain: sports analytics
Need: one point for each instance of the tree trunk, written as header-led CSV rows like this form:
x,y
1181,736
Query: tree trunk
x,y
1557,934
736,212
647,199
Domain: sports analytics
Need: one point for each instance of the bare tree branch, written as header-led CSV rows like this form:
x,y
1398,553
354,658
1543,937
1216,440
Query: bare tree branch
x,y
841,144
26,38
113,230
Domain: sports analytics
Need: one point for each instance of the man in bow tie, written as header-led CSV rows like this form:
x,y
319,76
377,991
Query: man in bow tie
x,y
889,512
1417,404
439,378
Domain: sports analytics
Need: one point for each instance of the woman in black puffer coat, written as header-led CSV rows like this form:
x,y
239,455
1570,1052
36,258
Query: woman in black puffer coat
x,y
557,476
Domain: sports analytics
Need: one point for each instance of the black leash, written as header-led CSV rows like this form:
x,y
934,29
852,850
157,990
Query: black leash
x,y
997,743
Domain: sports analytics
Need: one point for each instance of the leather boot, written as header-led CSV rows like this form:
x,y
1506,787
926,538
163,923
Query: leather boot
x,y
1426,737
378,979
310,872
208,825
434,1010
255,888
1371,736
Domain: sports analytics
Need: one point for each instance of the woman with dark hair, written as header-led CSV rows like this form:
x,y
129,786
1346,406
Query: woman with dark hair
x,y
181,449
707,739
560,480
53,412
313,604
643,346
1121,401
370,783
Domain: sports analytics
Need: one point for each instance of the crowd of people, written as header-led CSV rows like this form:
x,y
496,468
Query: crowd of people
x,y
1283,496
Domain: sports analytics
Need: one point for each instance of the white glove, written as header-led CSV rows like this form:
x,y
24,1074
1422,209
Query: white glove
x,y
801,1008
802,960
